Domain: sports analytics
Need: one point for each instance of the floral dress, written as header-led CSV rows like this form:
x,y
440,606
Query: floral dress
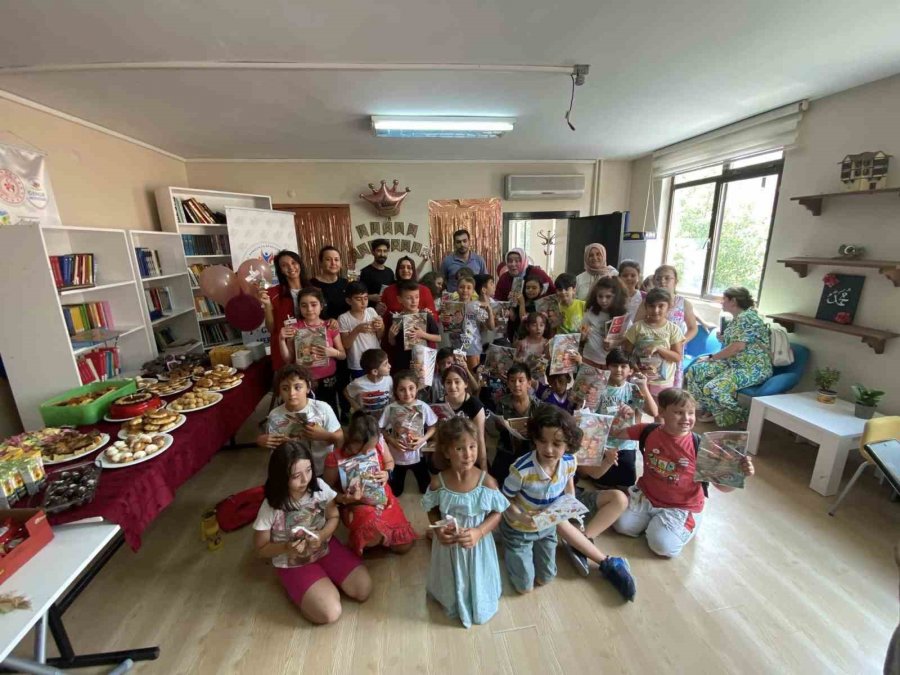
x,y
715,383
676,316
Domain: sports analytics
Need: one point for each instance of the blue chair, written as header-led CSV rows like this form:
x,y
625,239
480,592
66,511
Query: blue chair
x,y
704,342
784,378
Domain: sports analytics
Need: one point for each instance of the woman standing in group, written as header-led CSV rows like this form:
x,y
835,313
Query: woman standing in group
x,y
280,302
330,281
595,268
406,269
517,266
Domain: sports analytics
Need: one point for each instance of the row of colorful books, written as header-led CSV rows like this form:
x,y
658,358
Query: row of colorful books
x,y
206,307
194,271
72,270
206,244
216,333
87,315
194,211
159,301
98,365
148,262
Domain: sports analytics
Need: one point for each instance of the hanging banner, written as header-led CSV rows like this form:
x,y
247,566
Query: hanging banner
x,y
26,196
258,234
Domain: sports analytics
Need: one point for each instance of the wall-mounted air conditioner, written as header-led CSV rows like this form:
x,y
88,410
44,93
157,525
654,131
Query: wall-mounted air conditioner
x,y
545,187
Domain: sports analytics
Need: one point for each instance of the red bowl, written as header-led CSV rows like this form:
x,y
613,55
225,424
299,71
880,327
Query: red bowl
x,y
133,405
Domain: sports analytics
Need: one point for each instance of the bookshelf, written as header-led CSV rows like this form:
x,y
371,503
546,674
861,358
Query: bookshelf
x,y
213,329
179,322
37,350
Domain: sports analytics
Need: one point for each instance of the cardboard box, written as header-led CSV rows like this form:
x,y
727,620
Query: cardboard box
x,y
39,535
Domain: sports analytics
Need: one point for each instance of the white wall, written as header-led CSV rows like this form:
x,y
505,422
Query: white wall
x,y
856,120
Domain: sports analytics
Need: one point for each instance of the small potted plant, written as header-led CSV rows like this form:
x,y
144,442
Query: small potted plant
x,y
866,400
826,378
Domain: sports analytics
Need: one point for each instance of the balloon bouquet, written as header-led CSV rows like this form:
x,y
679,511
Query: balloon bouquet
x,y
237,292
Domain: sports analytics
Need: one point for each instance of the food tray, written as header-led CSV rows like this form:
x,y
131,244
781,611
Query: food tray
x,y
107,418
208,405
103,462
80,415
182,418
104,439
59,495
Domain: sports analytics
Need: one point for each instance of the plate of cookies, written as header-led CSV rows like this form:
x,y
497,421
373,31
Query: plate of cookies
x,y
214,372
195,400
170,387
136,450
68,444
156,422
144,382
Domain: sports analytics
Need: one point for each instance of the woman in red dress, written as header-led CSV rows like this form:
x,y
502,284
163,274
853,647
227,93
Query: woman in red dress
x,y
280,302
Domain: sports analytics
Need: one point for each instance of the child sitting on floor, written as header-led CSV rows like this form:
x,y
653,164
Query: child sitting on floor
x,y
666,503
372,392
368,524
464,575
556,392
534,483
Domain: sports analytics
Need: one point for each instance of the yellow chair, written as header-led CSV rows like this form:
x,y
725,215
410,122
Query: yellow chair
x,y
877,429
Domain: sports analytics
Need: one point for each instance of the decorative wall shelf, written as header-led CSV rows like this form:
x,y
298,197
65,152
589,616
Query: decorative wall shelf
x,y
889,268
814,202
871,336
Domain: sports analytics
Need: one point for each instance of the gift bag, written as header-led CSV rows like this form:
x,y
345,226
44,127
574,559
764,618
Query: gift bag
x,y
498,360
361,470
561,349
411,323
407,423
719,458
305,340
595,432
589,385
422,363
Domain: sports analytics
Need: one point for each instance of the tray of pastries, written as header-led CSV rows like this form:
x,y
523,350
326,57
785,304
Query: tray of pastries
x,y
220,381
216,371
156,422
170,387
135,450
57,444
195,400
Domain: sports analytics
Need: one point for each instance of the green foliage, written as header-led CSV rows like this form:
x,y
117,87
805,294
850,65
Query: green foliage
x,y
826,378
863,396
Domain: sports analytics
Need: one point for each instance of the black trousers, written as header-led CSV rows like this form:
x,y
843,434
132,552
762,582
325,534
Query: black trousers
x,y
419,470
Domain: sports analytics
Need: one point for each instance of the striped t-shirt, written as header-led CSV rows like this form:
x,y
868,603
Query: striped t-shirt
x,y
531,489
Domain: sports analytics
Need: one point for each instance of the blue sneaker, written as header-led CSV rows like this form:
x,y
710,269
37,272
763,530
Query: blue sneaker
x,y
617,571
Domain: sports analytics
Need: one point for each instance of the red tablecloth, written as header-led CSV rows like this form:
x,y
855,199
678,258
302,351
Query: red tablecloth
x,y
132,497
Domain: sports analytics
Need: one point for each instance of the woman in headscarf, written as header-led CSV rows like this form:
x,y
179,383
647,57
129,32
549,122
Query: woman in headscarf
x,y
595,267
517,266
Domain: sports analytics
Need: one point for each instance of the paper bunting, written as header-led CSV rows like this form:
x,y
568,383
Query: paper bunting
x,y
387,228
361,231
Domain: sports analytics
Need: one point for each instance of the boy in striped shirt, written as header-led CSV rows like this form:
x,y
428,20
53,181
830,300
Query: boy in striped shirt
x,y
535,481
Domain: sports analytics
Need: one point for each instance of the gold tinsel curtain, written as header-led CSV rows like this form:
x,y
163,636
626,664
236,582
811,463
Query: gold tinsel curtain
x,y
318,226
483,218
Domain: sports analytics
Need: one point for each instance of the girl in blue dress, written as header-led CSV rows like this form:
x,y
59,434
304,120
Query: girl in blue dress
x,y
464,505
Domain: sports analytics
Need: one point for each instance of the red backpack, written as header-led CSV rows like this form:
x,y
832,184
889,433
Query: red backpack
x,y
240,509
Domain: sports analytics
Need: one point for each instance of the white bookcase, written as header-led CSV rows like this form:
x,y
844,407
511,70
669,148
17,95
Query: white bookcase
x,y
216,201
181,321
34,341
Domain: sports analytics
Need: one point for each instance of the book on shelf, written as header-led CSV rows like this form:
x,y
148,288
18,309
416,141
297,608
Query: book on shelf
x,y
87,315
159,301
206,244
74,270
194,271
193,211
217,333
98,365
148,262
206,307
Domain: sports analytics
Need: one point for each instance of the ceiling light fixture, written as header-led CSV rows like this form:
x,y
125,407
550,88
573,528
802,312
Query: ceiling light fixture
x,y
403,126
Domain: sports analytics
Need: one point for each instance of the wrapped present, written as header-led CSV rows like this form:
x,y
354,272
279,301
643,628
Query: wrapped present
x,y
549,307
498,360
407,423
561,349
560,511
589,385
595,431
453,314
412,323
305,341
360,471
289,424
443,411
719,458
422,363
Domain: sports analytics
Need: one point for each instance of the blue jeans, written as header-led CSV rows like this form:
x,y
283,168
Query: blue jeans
x,y
529,556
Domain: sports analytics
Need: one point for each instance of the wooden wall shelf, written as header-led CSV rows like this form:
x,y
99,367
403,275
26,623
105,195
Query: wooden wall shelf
x,y
814,202
889,268
871,336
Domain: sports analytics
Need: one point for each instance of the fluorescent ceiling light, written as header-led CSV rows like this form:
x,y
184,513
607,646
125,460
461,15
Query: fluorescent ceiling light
x,y
441,127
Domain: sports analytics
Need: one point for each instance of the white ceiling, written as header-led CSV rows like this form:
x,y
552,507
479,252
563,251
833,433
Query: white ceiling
x,y
660,71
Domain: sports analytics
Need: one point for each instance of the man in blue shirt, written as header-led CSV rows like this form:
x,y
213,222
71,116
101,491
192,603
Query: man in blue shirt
x,y
461,257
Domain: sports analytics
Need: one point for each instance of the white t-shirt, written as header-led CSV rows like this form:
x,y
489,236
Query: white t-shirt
x,y
317,412
346,323
372,397
414,456
308,512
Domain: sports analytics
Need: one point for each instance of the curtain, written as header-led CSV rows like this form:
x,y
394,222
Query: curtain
x,y
768,131
319,226
483,218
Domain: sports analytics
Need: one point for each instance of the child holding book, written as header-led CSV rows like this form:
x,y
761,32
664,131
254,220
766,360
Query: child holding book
x,y
397,347
533,349
666,504
408,423
294,529
301,418
605,302
478,315
371,514
372,392
571,309
464,576
361,327
681,311
535,482
656,343
321,358
511,415
523,303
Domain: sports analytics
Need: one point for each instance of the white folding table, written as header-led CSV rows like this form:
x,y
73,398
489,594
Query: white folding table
x,y
52,580
831,425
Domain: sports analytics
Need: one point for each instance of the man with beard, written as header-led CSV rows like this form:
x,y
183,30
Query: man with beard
x,y
376,276
461,257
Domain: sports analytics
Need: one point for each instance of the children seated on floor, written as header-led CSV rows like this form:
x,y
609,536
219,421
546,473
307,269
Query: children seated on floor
x,y
510,419
657,344
372,391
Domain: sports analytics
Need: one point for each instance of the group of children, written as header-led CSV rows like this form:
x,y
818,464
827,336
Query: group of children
x,y
320,473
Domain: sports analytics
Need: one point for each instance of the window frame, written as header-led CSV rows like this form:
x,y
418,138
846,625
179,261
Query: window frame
x,y
772,168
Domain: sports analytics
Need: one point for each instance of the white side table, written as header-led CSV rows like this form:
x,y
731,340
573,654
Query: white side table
x,y
832,426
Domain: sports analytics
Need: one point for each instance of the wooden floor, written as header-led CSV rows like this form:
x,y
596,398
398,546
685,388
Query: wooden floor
x,y
770,584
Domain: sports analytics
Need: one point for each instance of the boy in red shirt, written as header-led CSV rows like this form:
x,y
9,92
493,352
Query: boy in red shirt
x,y
666,503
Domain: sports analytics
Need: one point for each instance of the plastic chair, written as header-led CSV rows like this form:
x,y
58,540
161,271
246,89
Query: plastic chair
x,y
876,429
784,378
704,342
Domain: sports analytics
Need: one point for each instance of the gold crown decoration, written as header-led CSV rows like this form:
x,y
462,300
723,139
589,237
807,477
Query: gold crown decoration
x,y
386,200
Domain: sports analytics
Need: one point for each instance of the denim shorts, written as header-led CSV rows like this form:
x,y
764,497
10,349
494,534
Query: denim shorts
x,y
529,556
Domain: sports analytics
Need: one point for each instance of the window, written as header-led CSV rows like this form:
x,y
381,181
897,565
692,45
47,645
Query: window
x,y
720,218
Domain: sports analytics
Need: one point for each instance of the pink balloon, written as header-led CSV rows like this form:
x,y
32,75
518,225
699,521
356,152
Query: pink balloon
x,y
254,275
219,284
244,312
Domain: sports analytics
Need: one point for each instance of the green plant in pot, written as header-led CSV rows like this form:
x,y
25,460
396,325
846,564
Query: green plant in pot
x,y
826,379
866,400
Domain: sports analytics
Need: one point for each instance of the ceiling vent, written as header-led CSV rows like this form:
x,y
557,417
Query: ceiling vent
x,y
545,187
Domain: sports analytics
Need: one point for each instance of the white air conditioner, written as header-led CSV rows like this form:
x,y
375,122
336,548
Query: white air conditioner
x,y
545,187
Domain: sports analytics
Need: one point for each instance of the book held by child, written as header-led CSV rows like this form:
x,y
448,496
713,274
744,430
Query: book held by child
x,y
305,341
561,349
359,471
595,431
719,458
